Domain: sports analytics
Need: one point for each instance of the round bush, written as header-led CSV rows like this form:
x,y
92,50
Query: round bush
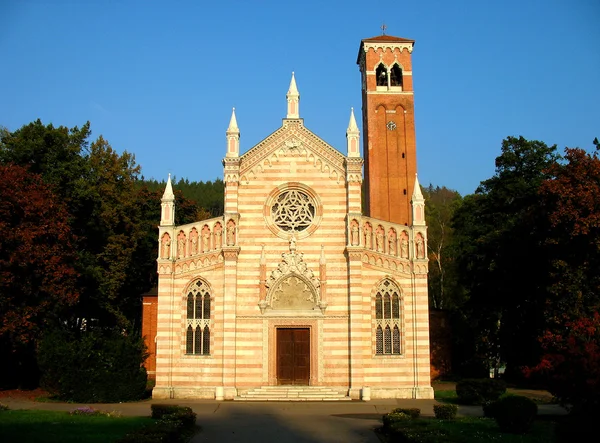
x,y
477,391
489,409
445,412
393,418
413,412
515,414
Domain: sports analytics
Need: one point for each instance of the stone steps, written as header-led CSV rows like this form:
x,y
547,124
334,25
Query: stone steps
x,y
293,393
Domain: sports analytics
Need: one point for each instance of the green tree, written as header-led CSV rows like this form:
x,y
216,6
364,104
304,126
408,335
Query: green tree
x,y
95,365
110,236
97,185
440,203
500,236
113,218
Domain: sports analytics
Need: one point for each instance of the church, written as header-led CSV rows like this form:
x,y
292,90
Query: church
x,y
313,283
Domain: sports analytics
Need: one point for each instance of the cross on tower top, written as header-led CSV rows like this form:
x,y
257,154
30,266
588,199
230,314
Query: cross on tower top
x,y
383,28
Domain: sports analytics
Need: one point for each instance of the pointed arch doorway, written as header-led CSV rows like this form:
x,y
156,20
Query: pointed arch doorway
x,y
293,356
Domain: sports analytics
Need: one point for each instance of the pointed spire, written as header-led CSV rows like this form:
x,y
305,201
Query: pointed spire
x,y
417,194
293,100
168,195
167,205
352,126
352,136
233,126
418,205
293,88
233,137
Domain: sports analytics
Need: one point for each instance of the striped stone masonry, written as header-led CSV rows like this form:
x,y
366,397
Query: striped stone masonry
x,y
294,284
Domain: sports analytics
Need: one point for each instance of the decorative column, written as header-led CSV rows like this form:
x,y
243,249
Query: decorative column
x,y
323,280
167,335
262,302
420,303
230,250
358,343
230,256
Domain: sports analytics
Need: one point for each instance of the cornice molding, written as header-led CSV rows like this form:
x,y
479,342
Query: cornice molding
x,y
388,45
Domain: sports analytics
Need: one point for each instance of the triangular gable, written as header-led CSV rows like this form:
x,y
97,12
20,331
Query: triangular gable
x,y
292,137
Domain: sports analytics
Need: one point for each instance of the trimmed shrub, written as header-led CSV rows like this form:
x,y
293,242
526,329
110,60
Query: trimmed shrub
x,y
394,417
160,410
412,412
174,413
489,409
445,412
174,424
477,391
186,418
97,366
515,414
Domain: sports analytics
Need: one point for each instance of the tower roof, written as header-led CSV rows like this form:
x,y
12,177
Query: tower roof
x,y
387,38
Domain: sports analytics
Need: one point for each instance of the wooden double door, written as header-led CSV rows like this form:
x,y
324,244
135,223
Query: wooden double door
x,y
293,356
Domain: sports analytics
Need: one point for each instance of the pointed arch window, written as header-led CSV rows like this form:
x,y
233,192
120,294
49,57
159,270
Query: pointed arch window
x,y
388,337
197,338
396,76
381,75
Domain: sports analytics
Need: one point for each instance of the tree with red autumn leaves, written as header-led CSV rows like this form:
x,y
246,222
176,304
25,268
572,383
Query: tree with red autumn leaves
x,y
571,199
571,363
37,277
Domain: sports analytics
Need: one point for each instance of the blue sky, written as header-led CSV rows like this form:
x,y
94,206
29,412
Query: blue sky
x,y
159,79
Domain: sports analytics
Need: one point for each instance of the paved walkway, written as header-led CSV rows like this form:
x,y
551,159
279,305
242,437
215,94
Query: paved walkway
x,y
280,422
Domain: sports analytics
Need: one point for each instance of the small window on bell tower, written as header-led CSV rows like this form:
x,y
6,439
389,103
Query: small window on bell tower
x,y
396,76
381,74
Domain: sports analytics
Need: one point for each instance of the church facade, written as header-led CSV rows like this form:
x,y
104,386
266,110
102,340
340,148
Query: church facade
x,y
297,285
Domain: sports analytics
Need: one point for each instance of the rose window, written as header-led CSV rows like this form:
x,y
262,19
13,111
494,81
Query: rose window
x,y
293,210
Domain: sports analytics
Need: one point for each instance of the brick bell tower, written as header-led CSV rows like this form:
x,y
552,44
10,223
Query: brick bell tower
x,y
388,127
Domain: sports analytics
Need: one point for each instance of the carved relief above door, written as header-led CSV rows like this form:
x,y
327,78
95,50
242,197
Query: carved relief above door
x,y
292,285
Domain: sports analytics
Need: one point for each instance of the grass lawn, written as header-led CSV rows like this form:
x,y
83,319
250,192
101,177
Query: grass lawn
x,y
447,394
469,430
26,426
